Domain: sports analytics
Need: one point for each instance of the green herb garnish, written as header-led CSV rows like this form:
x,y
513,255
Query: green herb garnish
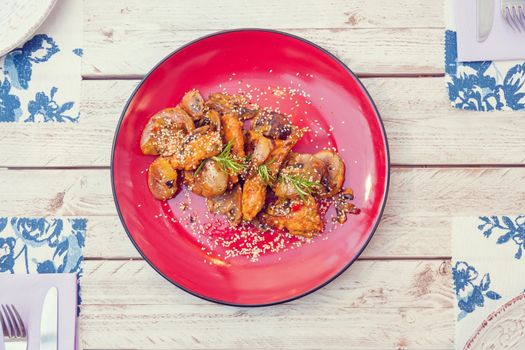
x,y
228,163
302,186
264,172
199,168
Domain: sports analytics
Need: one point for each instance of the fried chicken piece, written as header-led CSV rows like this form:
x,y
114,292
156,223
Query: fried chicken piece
x,y
164,131
162,179
273,125
229,204
253,197
208,181
305,167
193,103
335,175
232,128
281,150
297,216
197,146
254,190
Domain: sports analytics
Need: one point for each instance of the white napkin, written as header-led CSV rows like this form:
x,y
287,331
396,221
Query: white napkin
x,y
40,81
27,292
488,264
503,42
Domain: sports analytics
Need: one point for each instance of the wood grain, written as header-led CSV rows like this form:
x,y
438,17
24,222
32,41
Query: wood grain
x,y
416,222
406,305
366,51
373,37
159,15
421,126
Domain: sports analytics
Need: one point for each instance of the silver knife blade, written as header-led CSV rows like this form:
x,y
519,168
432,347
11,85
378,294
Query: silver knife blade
x,y
485,18
49,321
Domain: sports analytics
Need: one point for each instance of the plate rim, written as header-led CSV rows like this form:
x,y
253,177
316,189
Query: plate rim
x,y
387,180
36,25
490,318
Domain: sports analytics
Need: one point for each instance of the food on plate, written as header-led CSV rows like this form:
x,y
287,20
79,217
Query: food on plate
x,y
162,179
240,157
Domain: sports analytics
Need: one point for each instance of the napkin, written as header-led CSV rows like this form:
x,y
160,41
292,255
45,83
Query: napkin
x,y
503,43
488,260
27,292
483,85
36,253
40,80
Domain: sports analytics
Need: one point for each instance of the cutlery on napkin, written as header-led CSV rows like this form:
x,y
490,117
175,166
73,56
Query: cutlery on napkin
x,y
28,293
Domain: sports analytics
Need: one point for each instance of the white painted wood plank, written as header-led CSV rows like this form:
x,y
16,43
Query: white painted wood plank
x,y
374,305
416,222
397,36
367,284
422,128
201,14
180,327
365,51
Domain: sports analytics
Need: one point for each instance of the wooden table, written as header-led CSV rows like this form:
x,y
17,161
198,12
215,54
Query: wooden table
x,y
398,295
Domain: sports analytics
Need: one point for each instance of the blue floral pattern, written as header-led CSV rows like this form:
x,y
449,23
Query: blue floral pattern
x,y
18,65
17,71
79,52
44,108
9,104
41,245
510,231
470,290
482,86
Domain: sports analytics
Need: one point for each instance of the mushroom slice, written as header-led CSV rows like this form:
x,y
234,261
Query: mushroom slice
x,y
260,147
164,131
306,170
208,181
211,118
343,206
229,204
193,104
162,179
273,125
335,171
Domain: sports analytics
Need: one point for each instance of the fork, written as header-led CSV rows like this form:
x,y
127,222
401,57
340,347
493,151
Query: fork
x,y
15,335
514,13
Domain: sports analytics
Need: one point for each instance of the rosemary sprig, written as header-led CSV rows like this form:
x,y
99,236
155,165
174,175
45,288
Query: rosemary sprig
x,y
302,186
264,172
228,162
199,168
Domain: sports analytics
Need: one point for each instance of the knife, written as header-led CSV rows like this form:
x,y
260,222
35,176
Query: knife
x,y
49,321
485,18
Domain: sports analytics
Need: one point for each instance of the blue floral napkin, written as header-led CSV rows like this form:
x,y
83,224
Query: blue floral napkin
x,y
41,245
488,264
481,86
40,81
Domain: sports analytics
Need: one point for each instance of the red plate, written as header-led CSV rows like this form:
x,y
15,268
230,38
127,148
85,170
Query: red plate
x,y
283,71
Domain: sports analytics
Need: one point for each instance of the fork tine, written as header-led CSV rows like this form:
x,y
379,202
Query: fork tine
x,y
521,15
20,322
16,327
5,331
7,319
